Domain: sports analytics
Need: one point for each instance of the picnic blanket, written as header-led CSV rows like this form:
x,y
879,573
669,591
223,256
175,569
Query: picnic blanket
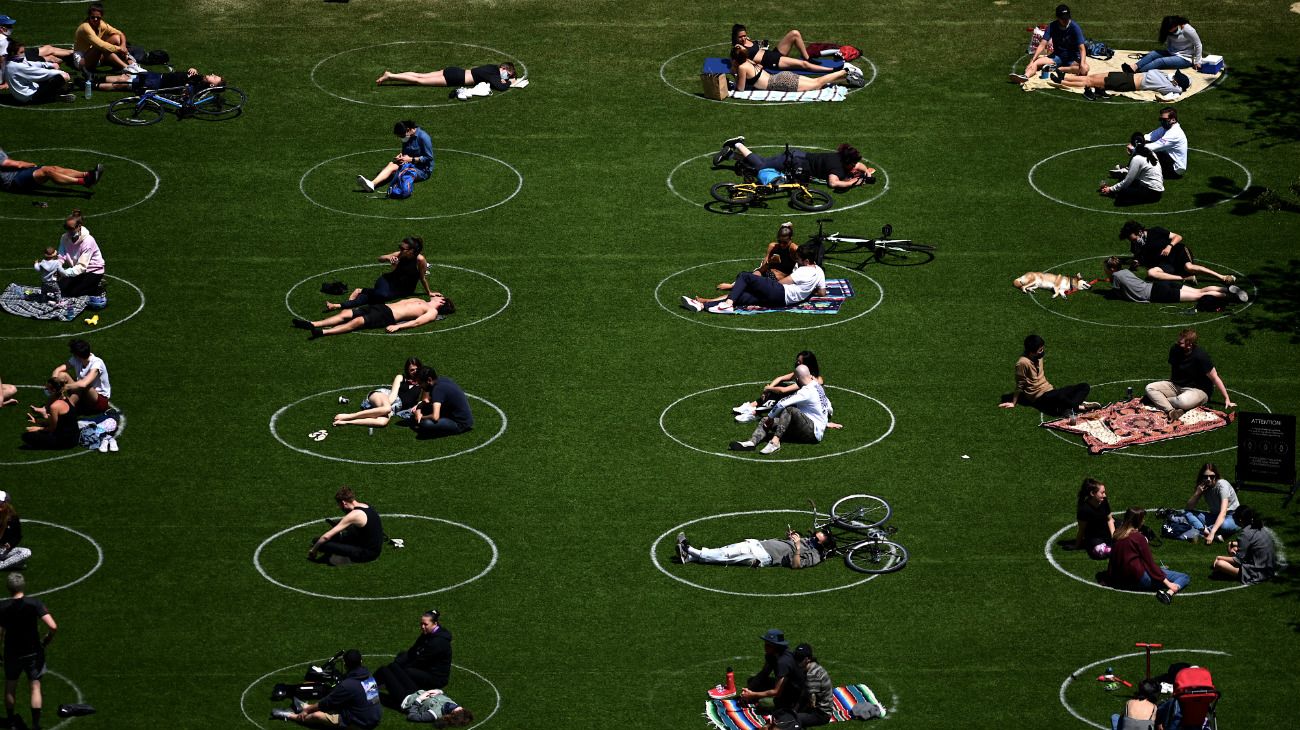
x,y
1200,81
26,301
825,93
1128,423
731,715
837,290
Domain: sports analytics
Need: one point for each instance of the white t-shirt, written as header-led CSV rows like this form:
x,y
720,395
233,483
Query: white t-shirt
x,y
1173,142
1221,492
811,401
804,280
100,383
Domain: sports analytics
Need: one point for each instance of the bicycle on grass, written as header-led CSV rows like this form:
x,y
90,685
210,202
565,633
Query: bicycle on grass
x,y
858,524
217,102
792,182
884,249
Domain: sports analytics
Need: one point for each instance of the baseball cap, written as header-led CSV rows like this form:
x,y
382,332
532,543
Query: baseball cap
x,y
6,20
1063,11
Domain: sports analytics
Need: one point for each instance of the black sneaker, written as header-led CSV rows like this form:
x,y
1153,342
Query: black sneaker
x,y
1089,94
93,177
301,324
316,332
1164,596
1127,68
1101,94
741,446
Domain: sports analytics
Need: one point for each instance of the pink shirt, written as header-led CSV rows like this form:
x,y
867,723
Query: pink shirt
x,y
84,251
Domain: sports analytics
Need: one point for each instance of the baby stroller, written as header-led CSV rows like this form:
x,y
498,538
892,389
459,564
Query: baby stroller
x,y
1194,702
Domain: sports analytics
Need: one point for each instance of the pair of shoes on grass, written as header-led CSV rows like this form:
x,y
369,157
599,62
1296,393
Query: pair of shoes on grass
x,y
770,448
727,151
107,444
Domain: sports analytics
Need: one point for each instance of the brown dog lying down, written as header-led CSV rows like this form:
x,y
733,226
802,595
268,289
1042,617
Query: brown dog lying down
x,y
1060,284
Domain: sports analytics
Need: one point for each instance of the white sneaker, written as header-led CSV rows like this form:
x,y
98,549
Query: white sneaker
x,y
112,444
1239,293
724,307
692,304
135,68
103,444
743,408
746,418
364,182
771,448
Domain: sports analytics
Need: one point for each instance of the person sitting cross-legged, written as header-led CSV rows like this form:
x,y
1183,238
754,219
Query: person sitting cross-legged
x,y
801,417
392,317
751,290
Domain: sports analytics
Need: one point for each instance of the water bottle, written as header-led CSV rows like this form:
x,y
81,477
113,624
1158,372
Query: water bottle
x,y
1130,392
90,88
1073,417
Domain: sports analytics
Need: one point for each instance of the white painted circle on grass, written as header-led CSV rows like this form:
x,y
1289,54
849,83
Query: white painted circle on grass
x,y
435,329
1185,323
276,417
1078,441
76,690
156,182
99,557
520,68
1047,553
704,318
94,331
654,557
725,47
257,561
77,449
243,696
1110,660
880,172
1133,210
302,187
775,459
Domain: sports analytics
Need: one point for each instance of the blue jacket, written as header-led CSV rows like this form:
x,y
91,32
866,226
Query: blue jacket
x,y
420,147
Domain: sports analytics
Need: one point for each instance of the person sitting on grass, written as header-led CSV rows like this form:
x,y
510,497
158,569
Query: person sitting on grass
x,y
1169,142
191,79
1132,566
778,388
1139,712
433,705
79,253
1095,86
91,384
841,169
1096,523
751,75
1164,254
21,176
1066,40
416,155
770,58
1143,183
34,82
1252,557
1182,47
393,317
52,54
352,703
1192,376
1164,292
13,555
780,257
1221,500
99,44
801,417
818,703
426,665
408,268
761,292
53,426
781,679
792,551
1033,388
497,76
443,409
384,404
356,538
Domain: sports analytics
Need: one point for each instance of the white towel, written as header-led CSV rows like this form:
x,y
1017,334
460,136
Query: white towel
x,y
826,93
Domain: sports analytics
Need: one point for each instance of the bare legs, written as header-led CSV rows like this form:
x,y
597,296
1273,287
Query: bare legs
x,y
1192,294
8,395
60,175
1226,566
432,78
383,175
332,306
807,83
338,324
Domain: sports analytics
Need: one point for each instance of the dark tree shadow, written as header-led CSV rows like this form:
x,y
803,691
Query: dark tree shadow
x,y
1277,306
1271,101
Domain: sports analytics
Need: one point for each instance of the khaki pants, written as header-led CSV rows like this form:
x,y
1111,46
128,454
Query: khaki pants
x,y
1166,396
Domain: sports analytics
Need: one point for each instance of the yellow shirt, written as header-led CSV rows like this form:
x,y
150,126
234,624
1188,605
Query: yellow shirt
x,y
87,38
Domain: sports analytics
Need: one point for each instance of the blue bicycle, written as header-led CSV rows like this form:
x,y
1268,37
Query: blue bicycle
x,y
217,102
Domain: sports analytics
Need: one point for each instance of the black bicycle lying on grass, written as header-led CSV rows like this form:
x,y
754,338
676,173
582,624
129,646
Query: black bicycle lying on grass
x,y
214,103
858,524
793,182
897,251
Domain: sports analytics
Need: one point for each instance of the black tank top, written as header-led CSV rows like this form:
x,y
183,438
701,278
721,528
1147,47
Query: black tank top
x,y
408,394
66,431
405,275
770,59
785,259
371,536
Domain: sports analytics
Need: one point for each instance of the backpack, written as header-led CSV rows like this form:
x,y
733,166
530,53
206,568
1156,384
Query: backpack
x,y
1098,50
403,183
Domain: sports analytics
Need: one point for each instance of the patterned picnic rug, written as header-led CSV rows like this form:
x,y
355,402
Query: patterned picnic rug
x,y
1128,423
731,715
837,290
26,301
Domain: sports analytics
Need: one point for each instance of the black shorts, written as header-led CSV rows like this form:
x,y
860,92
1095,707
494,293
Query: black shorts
x,y
32,664
375,316
1166,292
1120,81
455,76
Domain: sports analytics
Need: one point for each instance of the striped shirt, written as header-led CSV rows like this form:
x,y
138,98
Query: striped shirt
x,y
817,683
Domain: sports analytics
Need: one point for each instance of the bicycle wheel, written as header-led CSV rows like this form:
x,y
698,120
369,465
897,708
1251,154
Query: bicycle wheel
x,y
134,111
810,200
732,194
860,511
219,101
876,556
900,249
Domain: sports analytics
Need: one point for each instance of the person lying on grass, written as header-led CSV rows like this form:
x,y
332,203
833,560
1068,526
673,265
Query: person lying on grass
x,y
750,75
1165,292
1096,85
773,58
433,705
841,169
761,292
496,76
801,417
191,79
792,551
409,267
393,317
383,404
20,176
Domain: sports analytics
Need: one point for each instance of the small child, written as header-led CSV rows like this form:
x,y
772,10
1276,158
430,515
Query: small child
x,y
50,266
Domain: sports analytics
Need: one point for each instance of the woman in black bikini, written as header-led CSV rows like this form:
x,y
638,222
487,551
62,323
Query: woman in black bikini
x,y
498,77
773,58
753,75
409,268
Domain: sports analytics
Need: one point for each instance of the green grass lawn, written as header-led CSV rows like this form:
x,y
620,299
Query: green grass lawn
x,y
566,220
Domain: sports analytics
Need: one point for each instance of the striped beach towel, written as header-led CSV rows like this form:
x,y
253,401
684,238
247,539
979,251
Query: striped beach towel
x,y
731,715
825,93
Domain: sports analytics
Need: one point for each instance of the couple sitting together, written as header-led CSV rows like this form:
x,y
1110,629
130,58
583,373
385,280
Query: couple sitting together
x,y
434,406
802,414
767,287
1170,267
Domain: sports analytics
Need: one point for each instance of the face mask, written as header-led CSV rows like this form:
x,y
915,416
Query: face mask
x,y
1038,355
505,75
1167,123
1178,33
